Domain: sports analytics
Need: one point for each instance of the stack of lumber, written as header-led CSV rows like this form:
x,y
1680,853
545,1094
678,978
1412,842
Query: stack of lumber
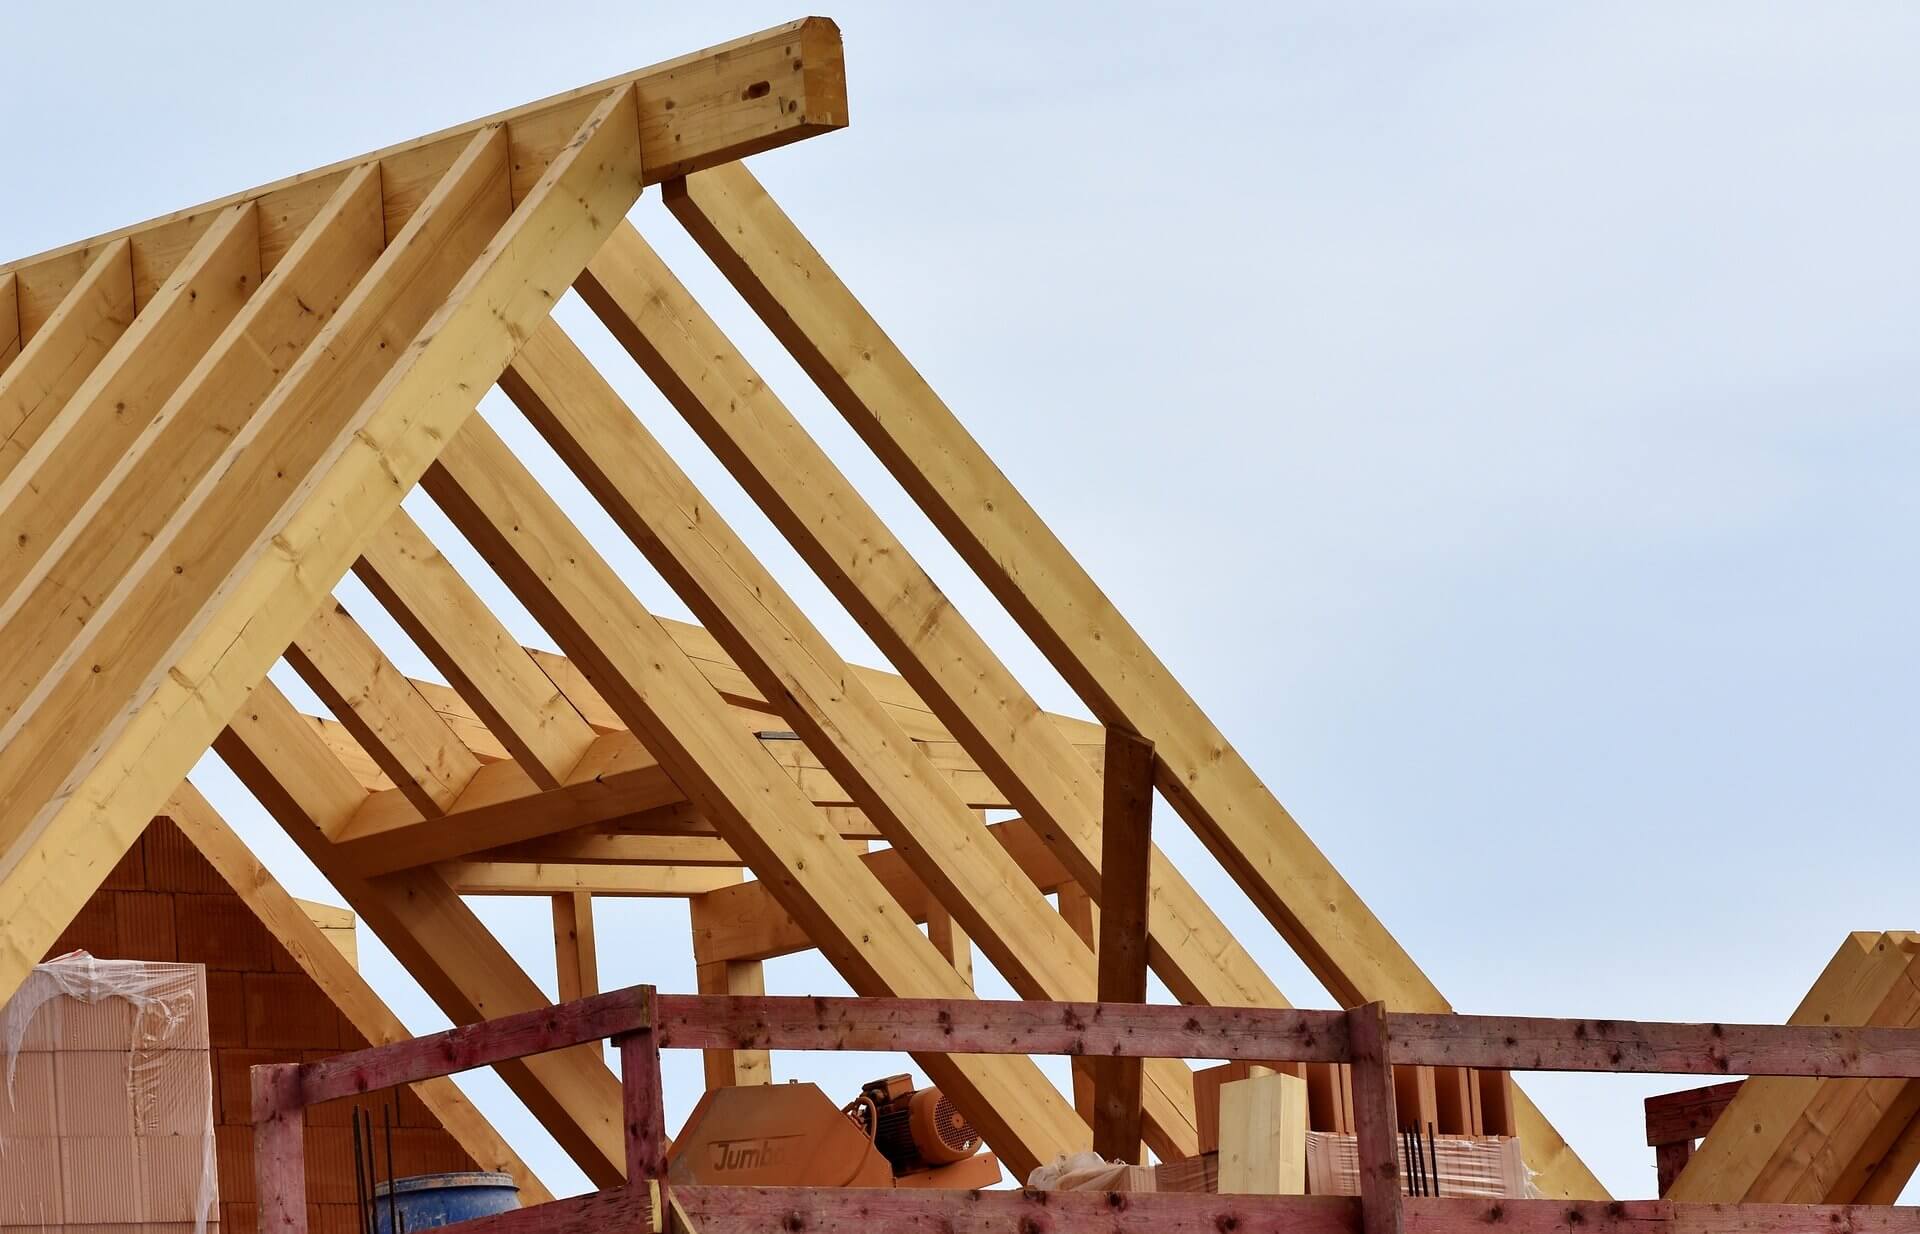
x,y
1800,1140
1449,1100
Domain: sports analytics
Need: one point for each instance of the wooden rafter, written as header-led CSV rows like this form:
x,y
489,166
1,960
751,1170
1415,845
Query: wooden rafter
x,y
444,947
943,659
322,961
663,697
360,470
1050,594
496,677
768,635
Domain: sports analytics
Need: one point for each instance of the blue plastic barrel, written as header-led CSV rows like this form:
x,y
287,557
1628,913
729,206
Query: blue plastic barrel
x,y
428,1200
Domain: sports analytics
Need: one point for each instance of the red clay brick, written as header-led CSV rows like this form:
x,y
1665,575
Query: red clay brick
x,y
92,930
288,1010
226,1009
174,864
221,932
233,1156
144,922
130,873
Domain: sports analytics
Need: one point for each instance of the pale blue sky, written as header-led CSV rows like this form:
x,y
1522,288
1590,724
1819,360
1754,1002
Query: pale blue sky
x,y
1500,416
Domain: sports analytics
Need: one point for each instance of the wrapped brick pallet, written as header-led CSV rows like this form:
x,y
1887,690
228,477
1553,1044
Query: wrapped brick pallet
x,y
107,1115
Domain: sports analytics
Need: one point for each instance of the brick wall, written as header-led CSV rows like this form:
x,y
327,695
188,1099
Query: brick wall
x,y
165,902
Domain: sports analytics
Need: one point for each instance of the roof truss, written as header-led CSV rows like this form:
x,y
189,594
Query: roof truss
x,y
208,419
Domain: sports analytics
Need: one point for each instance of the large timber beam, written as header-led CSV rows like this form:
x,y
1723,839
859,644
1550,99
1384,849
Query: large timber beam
x,y
436,937
391,719
886,773
698,110
192,636
93,309
463,638
1049,593
943,658
52,585
665,700
51,465
335,974
9,321
747,923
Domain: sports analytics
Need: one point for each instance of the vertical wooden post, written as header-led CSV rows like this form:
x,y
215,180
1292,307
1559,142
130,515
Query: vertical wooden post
x,y
1376,1121
1126,847
736,978
1263,1135
279,1155
1669,1160
1084,916
643,1103
575,956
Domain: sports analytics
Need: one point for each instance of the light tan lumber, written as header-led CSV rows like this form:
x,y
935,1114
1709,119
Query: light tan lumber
x,y
721,103
506,878
303,928
1822,1152
448,621
950,940
501,804
1732,1155
605,631
918,438
51,465
736,979
374,699
429,929
742,605
576,955
57,585
9,322
592,847
224,522
55,358
1263,1136
943,659
746,923
1893,1171
463,720
347,748
300,549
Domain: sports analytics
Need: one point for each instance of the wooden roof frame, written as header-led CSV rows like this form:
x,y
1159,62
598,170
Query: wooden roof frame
x,y
236,398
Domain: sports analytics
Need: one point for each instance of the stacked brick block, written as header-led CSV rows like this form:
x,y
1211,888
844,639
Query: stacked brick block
x,y
165,902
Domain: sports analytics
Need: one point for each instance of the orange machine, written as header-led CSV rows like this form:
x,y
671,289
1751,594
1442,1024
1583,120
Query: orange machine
x,y
790,1135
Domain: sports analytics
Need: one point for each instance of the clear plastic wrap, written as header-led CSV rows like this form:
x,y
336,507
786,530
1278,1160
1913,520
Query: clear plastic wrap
x,y
108,1111
1470,1167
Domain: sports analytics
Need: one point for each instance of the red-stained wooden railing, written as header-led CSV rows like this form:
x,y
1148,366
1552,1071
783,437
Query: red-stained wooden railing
x,y
1373,1040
